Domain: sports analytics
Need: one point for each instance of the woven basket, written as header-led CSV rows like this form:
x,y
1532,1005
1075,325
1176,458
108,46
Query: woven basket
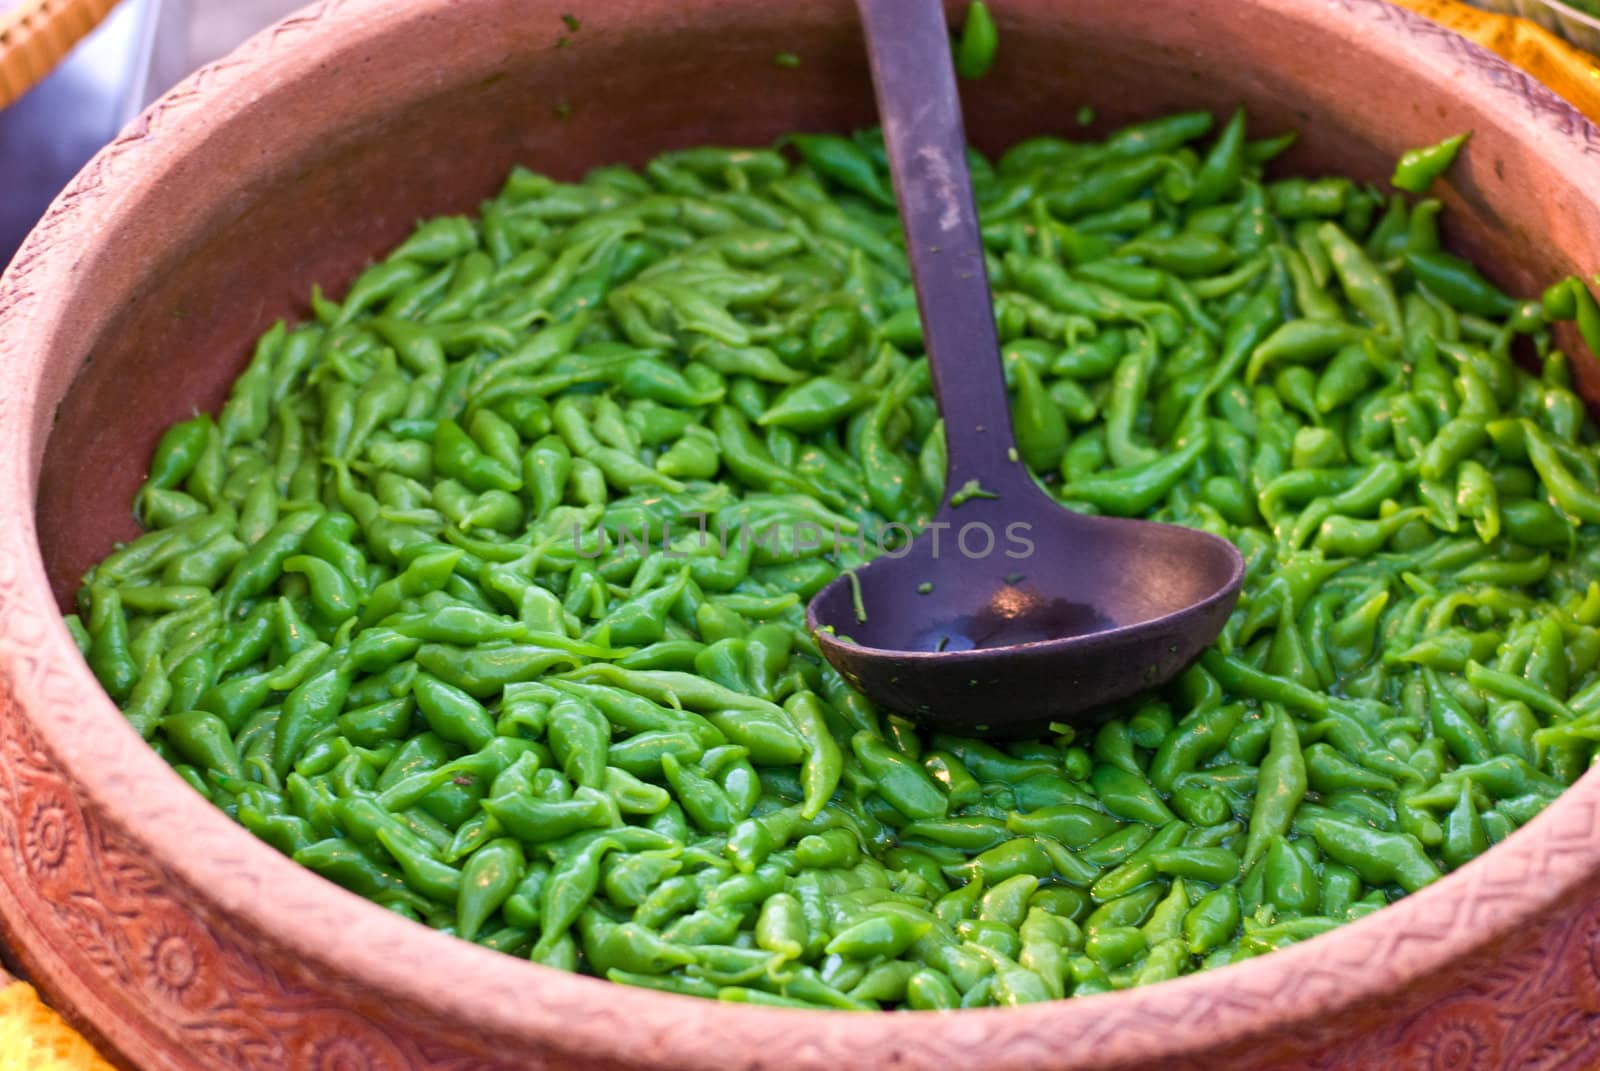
x,y
36,34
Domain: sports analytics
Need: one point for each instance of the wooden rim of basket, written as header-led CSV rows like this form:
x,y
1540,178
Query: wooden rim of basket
x,y
35,35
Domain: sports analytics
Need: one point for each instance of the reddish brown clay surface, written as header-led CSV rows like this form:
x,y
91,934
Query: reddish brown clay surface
x,y
180,941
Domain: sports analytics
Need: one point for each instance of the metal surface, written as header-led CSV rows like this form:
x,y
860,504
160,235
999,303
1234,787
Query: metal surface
x,y
1024,611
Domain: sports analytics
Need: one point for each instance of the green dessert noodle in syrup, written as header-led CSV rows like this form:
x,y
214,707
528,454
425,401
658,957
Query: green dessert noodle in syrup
x,y
454,602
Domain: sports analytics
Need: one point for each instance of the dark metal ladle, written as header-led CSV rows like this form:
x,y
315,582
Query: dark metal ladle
x,y
1034,613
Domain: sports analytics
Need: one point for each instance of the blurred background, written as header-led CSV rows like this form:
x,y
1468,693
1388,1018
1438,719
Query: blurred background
x,y
144,47
140,51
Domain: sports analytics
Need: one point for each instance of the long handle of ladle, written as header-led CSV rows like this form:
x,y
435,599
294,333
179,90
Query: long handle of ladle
x,y
908,44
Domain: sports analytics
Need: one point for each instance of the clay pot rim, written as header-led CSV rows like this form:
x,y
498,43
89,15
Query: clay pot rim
x,y
496,996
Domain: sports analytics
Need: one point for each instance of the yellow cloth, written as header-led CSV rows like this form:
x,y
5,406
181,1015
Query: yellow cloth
x,y
33,1038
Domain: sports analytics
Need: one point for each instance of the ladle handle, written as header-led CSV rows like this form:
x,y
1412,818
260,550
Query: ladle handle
x,y
908,44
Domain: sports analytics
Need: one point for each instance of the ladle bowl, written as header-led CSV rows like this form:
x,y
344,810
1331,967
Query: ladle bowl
x,y
1034,651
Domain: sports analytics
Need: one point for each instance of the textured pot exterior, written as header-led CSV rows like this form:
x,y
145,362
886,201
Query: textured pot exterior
x,y
179,941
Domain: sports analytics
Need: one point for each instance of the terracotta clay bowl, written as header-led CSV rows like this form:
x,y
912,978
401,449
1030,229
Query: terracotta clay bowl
x,y
180,941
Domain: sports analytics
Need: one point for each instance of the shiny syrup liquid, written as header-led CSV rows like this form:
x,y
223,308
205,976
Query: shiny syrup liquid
x,y
1006,622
